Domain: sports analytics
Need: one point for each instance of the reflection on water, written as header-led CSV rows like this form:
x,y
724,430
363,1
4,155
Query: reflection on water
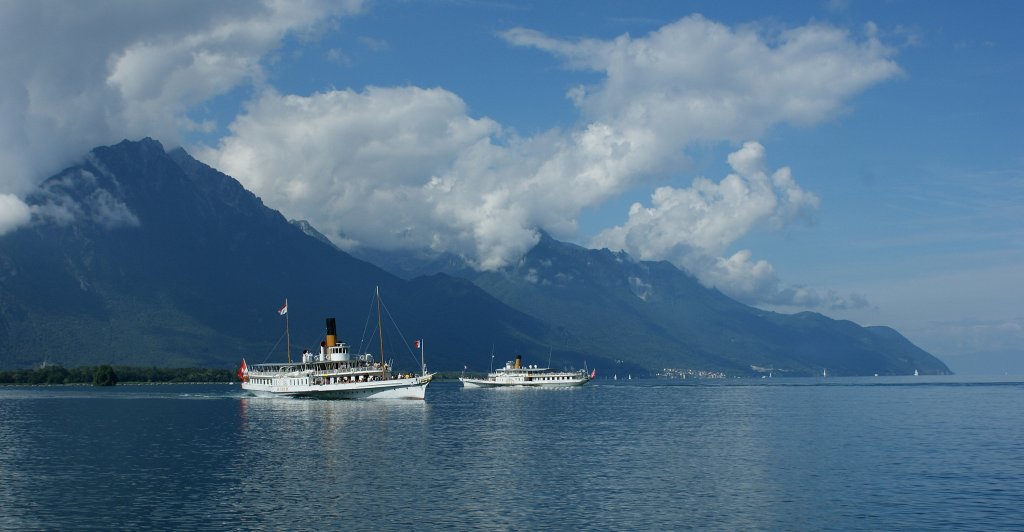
x,y
320,457
802,454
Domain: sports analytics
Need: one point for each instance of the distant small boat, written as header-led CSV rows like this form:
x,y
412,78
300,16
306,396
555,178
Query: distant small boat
x,y
515,374
916,373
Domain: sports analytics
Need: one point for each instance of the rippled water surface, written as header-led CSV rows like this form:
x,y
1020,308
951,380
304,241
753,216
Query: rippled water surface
x,y
779,455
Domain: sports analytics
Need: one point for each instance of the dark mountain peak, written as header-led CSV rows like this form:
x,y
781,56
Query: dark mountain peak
x,y
160,189
139,153
145,144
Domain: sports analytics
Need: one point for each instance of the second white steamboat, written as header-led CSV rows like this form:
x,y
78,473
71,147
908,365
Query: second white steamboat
x,y
515,374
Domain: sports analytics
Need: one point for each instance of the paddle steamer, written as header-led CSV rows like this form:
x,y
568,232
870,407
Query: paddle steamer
x,y
515,374
335,373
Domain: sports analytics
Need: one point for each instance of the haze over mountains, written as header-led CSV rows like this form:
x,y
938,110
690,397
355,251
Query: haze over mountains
x,y
139,256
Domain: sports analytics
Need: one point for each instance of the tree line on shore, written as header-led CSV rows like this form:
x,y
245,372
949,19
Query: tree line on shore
x,y
107,375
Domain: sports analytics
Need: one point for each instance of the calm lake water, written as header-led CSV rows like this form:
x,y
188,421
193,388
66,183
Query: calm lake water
x,y
784,454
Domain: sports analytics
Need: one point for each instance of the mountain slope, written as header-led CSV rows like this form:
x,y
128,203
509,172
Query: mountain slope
x,y
149,257
654,315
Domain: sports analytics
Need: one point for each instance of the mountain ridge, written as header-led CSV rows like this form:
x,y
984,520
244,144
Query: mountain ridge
x,y
146,255
658,312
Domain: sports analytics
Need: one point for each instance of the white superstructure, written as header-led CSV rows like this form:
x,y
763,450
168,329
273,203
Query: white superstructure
x,y
515,374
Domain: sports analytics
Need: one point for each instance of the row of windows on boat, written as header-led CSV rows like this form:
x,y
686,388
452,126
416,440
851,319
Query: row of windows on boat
x,y
320,366
320,381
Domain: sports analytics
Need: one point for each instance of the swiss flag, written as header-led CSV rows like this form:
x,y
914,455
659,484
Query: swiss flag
x,y
243,372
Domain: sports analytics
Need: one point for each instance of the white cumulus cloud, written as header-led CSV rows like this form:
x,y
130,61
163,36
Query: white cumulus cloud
x,y
82,74
409,167
709,216
696,79
693,227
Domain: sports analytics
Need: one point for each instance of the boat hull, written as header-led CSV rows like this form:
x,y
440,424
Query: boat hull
x,y
487,383
412,388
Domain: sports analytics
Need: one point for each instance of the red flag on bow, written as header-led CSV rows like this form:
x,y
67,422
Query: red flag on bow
x,y
243,372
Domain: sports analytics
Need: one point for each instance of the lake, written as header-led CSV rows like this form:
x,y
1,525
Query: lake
x,y
772,454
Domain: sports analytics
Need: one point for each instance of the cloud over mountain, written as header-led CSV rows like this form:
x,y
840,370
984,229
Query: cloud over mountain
x,y
13,212
692,227
411,167
81,74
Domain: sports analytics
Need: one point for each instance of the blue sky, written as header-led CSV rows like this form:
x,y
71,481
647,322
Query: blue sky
x,y
860,159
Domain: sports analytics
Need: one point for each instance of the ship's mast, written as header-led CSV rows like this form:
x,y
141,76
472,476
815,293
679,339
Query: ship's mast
x,y
380,334
287,334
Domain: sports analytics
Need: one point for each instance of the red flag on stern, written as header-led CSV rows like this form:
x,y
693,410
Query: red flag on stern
x,y
283,310
243,372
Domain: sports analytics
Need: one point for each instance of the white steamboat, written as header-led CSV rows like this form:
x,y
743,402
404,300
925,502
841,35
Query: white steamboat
x,y
515,374
335,373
